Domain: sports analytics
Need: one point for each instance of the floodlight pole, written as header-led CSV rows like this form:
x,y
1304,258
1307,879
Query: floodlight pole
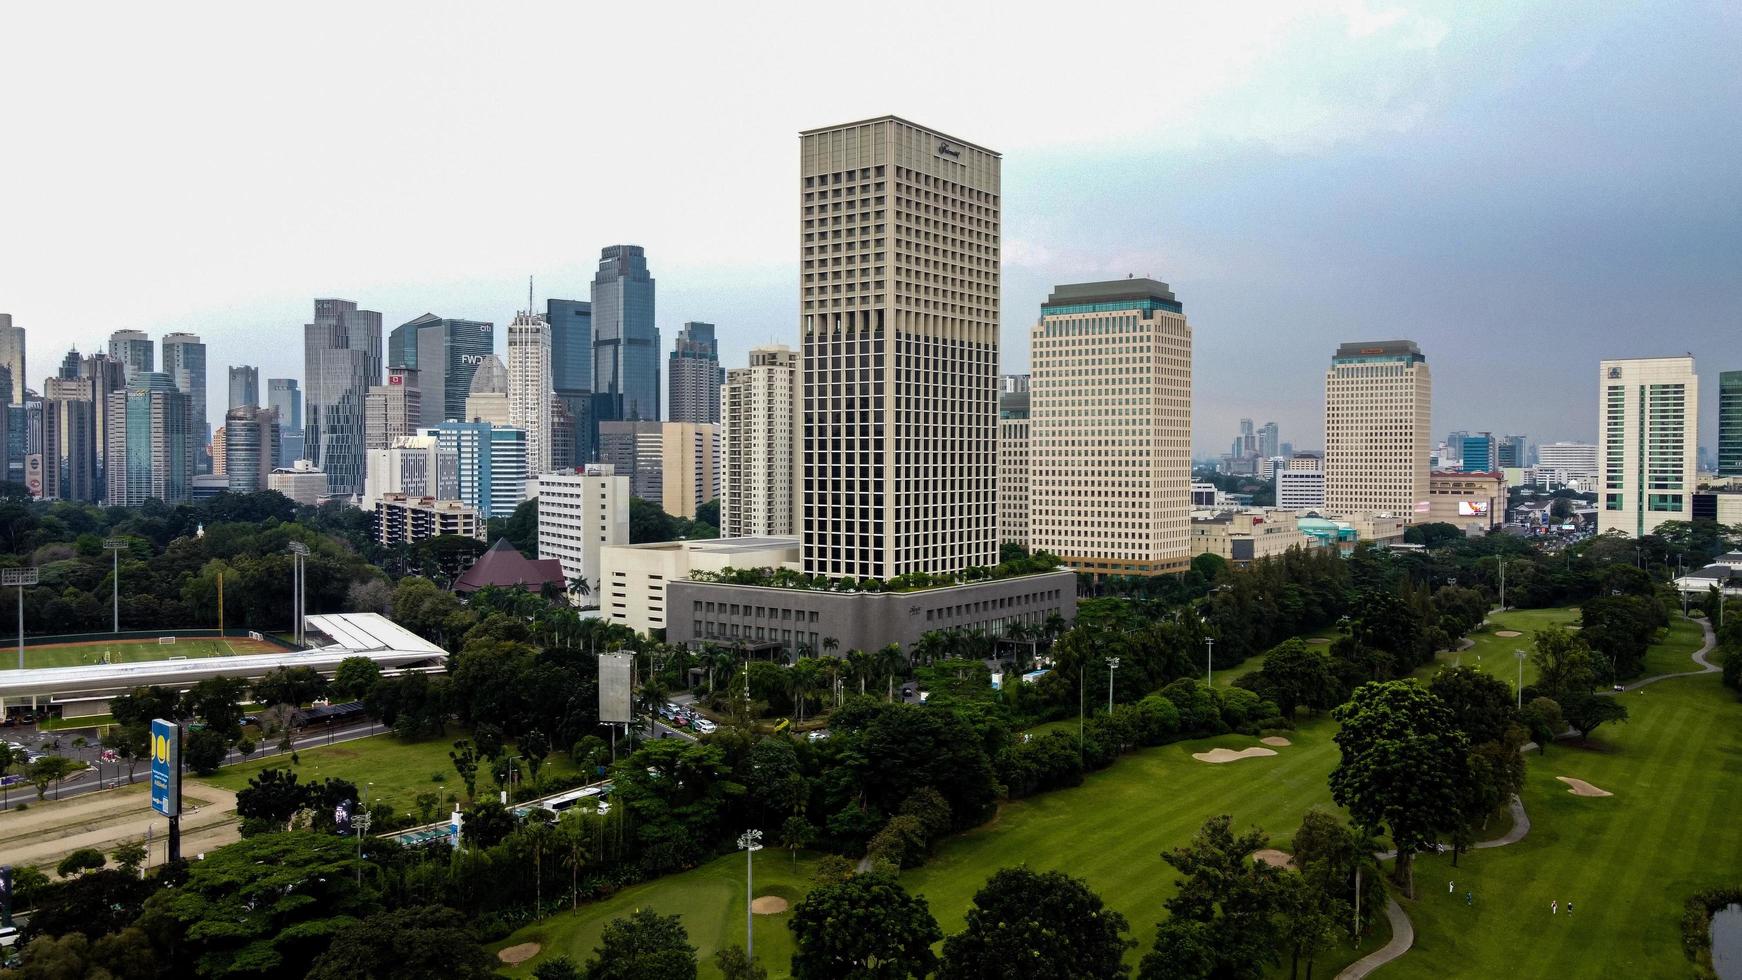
x,y
19,577
298,589
115,545
1112,665
751,842
1209,672
1520,655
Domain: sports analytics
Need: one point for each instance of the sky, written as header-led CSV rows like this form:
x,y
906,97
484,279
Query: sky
x,y
1522,188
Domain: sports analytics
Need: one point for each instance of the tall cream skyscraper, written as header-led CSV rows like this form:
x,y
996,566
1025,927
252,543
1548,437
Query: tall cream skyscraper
x,y
1647,442
1378,409
898,297
529,385
1110,428
759,453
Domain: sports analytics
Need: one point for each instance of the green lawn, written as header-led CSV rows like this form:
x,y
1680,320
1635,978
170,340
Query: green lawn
x,y
135,651
1626,862
399,769
1671,653
1111,831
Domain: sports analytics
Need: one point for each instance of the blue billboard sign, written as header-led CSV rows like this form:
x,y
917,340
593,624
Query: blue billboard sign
x,y
165,767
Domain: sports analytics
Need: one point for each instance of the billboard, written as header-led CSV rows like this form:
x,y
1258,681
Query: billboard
x,y
1472,508
616,687
166,767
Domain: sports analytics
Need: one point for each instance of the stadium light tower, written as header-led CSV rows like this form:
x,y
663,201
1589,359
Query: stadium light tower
x,y
750,841
19,577
115,545
299,553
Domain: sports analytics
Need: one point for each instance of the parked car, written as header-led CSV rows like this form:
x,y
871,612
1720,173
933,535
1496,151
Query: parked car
x,y
818,735
705,726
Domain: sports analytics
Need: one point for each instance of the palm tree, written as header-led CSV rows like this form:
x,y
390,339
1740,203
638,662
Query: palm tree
x,y
890,659
860,664
805,678
830,645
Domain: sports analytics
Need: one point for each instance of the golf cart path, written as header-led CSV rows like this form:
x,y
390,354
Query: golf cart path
x,y
1706,666
1402,931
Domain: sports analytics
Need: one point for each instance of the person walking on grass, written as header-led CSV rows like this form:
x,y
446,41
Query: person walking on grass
x,y
1554,907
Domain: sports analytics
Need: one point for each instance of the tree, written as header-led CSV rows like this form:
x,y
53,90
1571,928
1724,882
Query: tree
x,y
1295,674
217,702
465,759
1227,903
1309,924
534,747
355,676
80,861
426,942
1027,924
488,823
735,964
293,686
865,928
271,796
1482,705
643,945
1402,764
796,833
1542,717
1587,711
558,968
205,751
123,955
1563,662
1433,534
129,856
521,528
52,769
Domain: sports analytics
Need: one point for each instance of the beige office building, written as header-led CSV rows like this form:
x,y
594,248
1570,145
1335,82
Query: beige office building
x,y
1013,475
1378,409
673,464
899,253
1474,502
759,453
635,576
392,411
1245,536
1110,428
1647,439
529,386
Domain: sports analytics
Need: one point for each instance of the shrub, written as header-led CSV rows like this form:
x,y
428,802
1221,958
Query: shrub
x,y
902,842
1155,720
1198,714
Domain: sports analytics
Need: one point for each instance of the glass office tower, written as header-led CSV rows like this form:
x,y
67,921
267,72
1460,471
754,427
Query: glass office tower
x,y
571,370
625,341
445,353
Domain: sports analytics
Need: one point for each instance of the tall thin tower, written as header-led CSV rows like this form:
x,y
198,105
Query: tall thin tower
x,y
898,299
529,386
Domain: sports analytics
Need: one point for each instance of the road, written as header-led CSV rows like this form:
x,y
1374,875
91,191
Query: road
x,y
111,775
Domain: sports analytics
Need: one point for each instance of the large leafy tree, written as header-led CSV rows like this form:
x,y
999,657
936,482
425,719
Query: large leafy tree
x,y
293,686
1295,674
1402,768
264,906
1563,662
271,796
419,943
1587,711
643,946
864,928
1039,925
1224,915
1483,706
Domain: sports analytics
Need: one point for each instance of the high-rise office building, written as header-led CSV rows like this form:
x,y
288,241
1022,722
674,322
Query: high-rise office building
x,y
251,447
69,440
1013,458
392,410
151,446
1110,436
899,286
1647,433
1300,484
1378,407
244,387
184,359
694,376
1477,453
571,372
529,386
11,437
1269,440
220,453
487,401
12,355
284,397
417,466
759,474
578,513
134,350
1730,423
445,353
342,357
562,435
69,366
625,341
1567,461
673,464
107,376
1511,452
491,463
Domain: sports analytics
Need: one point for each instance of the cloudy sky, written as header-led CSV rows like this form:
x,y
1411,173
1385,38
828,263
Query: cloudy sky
x,y
1521,187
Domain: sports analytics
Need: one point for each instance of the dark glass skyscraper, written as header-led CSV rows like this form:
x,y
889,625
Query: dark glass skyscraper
x,y
625,341
694,377
571,371
445,353
285,398
342,353
1730,423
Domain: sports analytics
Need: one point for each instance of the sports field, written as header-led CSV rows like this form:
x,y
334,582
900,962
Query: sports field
x,y
135,651
1625,862
1110,831
385,767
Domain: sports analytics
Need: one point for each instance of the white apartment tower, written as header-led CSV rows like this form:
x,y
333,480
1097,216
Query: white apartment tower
x,y
529,386
1110,428
898,299
759,472
578,513
1378,406
1647,434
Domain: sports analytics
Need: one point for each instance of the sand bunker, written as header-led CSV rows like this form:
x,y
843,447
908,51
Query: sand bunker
x,y
1274,857
1509,634
769,905
1229,755
1317,639
1581,788
515,955
1276,740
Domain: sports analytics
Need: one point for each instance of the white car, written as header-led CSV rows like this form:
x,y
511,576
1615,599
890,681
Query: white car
x,y
705,726
818,735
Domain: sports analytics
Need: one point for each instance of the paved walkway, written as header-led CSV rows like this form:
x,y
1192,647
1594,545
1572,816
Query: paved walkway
x,y
1706,666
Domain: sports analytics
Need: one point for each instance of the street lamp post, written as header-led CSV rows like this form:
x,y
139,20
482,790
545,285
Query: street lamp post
x,y
1112,665
1520,655
299,554
115,545
19,577
1209,647
750,841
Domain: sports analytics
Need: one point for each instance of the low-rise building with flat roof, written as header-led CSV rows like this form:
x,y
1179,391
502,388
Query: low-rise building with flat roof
x,y
1474,502
634,577
1243,536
